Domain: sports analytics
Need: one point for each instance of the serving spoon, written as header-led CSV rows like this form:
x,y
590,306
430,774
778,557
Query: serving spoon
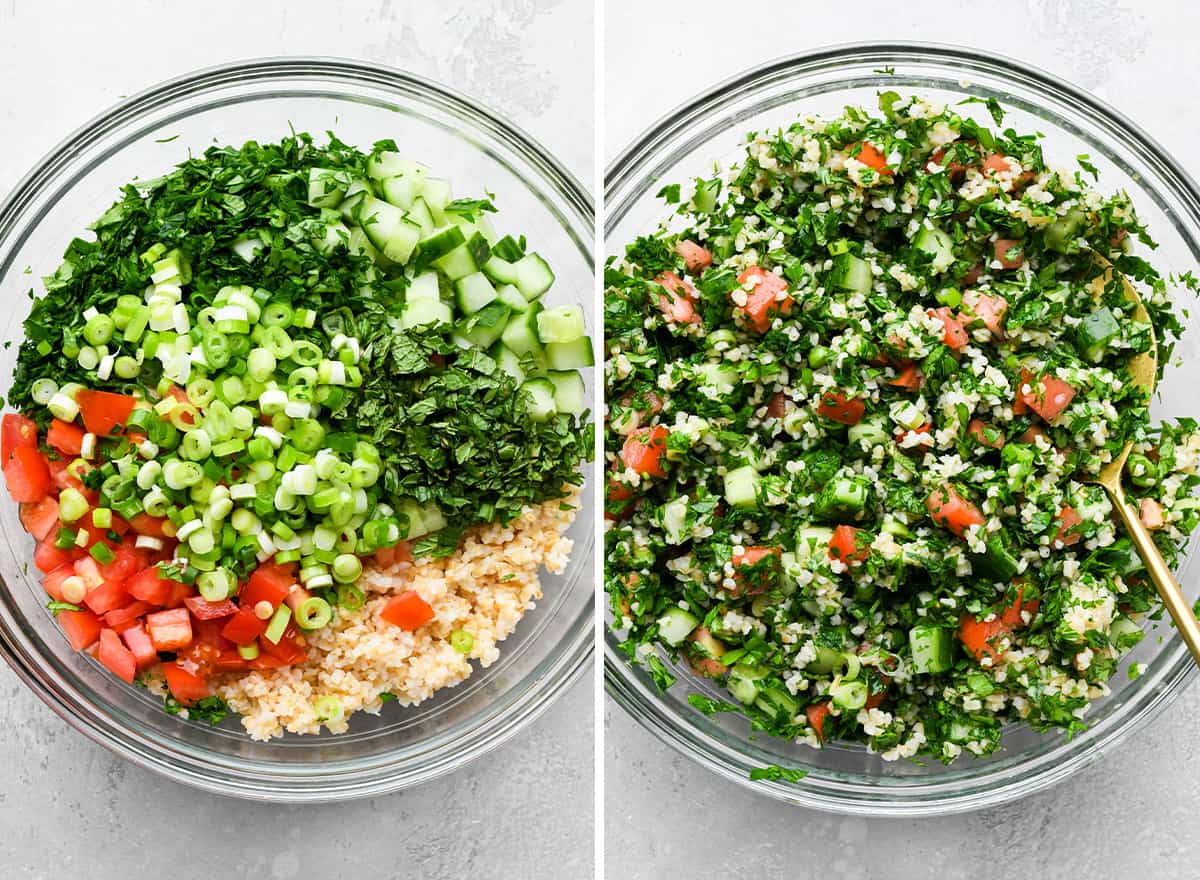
x,y
1143,369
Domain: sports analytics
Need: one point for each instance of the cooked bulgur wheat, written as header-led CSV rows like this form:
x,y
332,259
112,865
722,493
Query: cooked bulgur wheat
x,y
484,589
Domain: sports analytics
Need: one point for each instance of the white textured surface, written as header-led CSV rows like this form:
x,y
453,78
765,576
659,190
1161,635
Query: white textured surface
x,y
1134,813
68,808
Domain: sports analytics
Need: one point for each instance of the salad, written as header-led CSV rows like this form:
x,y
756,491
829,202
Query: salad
x,y
263,410
857,385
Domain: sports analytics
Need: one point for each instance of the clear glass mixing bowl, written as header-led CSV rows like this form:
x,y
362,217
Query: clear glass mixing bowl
x,y
263,101
682,146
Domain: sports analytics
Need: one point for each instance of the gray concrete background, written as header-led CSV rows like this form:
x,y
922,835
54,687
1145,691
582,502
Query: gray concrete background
x,y
1132,815
68,808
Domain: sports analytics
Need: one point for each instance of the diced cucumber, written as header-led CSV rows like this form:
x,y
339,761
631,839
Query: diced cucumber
x,y
842,498
1124,633
422,216
533,276
457,264
1096,332
539,394
676,625
938,245
868,433
674,520
722,377
743,682
851,273
401,191
932,648
849,696
327,187
521,333
574,355
473,292
741,487
248,246
388,229
500,271
511,297
570,396
826,662
421,519
483,328
560,324
812,541
424,286
360,244
334,235
441,241
436,193
387,164
422,312
998,562
508,361
1061,235
776,699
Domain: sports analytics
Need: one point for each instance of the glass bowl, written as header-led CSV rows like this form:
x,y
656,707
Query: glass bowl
x,y
682,146
145,136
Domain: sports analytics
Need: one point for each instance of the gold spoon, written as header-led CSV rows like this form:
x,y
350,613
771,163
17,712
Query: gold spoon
x,y
1143,369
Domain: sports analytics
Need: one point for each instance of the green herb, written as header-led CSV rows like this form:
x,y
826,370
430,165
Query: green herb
x,y
56,607
210,709
775,772
709,706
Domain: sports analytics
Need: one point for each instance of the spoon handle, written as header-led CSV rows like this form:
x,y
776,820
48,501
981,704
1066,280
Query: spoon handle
x,y
1160,573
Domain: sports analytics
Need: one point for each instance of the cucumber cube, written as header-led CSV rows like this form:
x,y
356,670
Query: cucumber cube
x,y
423,286
425,312
741,487
327,187
533,276
676,625
511,297
539,395
932,648
484,327
508,361
570,395
500,271
560,324
441,241
674,520
474,292
521,333
574,355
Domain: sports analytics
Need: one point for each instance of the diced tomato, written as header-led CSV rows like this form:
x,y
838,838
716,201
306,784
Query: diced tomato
x,y
125,562
875,700
704,663
643,450
179,594
957,170
200,657
231,661
695,257
145,524
872,158
389,556
817,713
89,569
119,659
52,581
26,473
989,308
949,509
289,649
837,407
244,627
82,628
1009,252
139,644
632,413
104,412
47,557
971,276
40,518
1020,407
902,435
1032,433
106,597
845,545
120,619
979,637
1151,514
996,163
59,475
778,405
616,500
408,611
678,303
170,630
909,378
148,586
268,583
751,574
762,300
954,334
66,437
1048,397
16,431
985,434
185,686
1068,519
202,609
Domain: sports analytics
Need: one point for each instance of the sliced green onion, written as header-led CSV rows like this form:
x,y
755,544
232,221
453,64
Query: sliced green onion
x,y
102,518
216,585
278,624
350,597
346,568
328,708
248,652
43,390
102,553
462,641
99,329
313,613
71,505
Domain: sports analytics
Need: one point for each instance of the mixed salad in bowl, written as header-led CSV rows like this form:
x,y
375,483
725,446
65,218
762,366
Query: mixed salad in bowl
x,y
294,433
857,386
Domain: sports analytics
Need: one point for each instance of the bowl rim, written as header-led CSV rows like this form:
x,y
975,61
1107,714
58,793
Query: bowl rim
x,y
626,172
543,686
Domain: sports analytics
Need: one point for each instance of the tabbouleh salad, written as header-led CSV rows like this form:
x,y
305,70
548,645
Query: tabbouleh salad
x,y
855,386
294,433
